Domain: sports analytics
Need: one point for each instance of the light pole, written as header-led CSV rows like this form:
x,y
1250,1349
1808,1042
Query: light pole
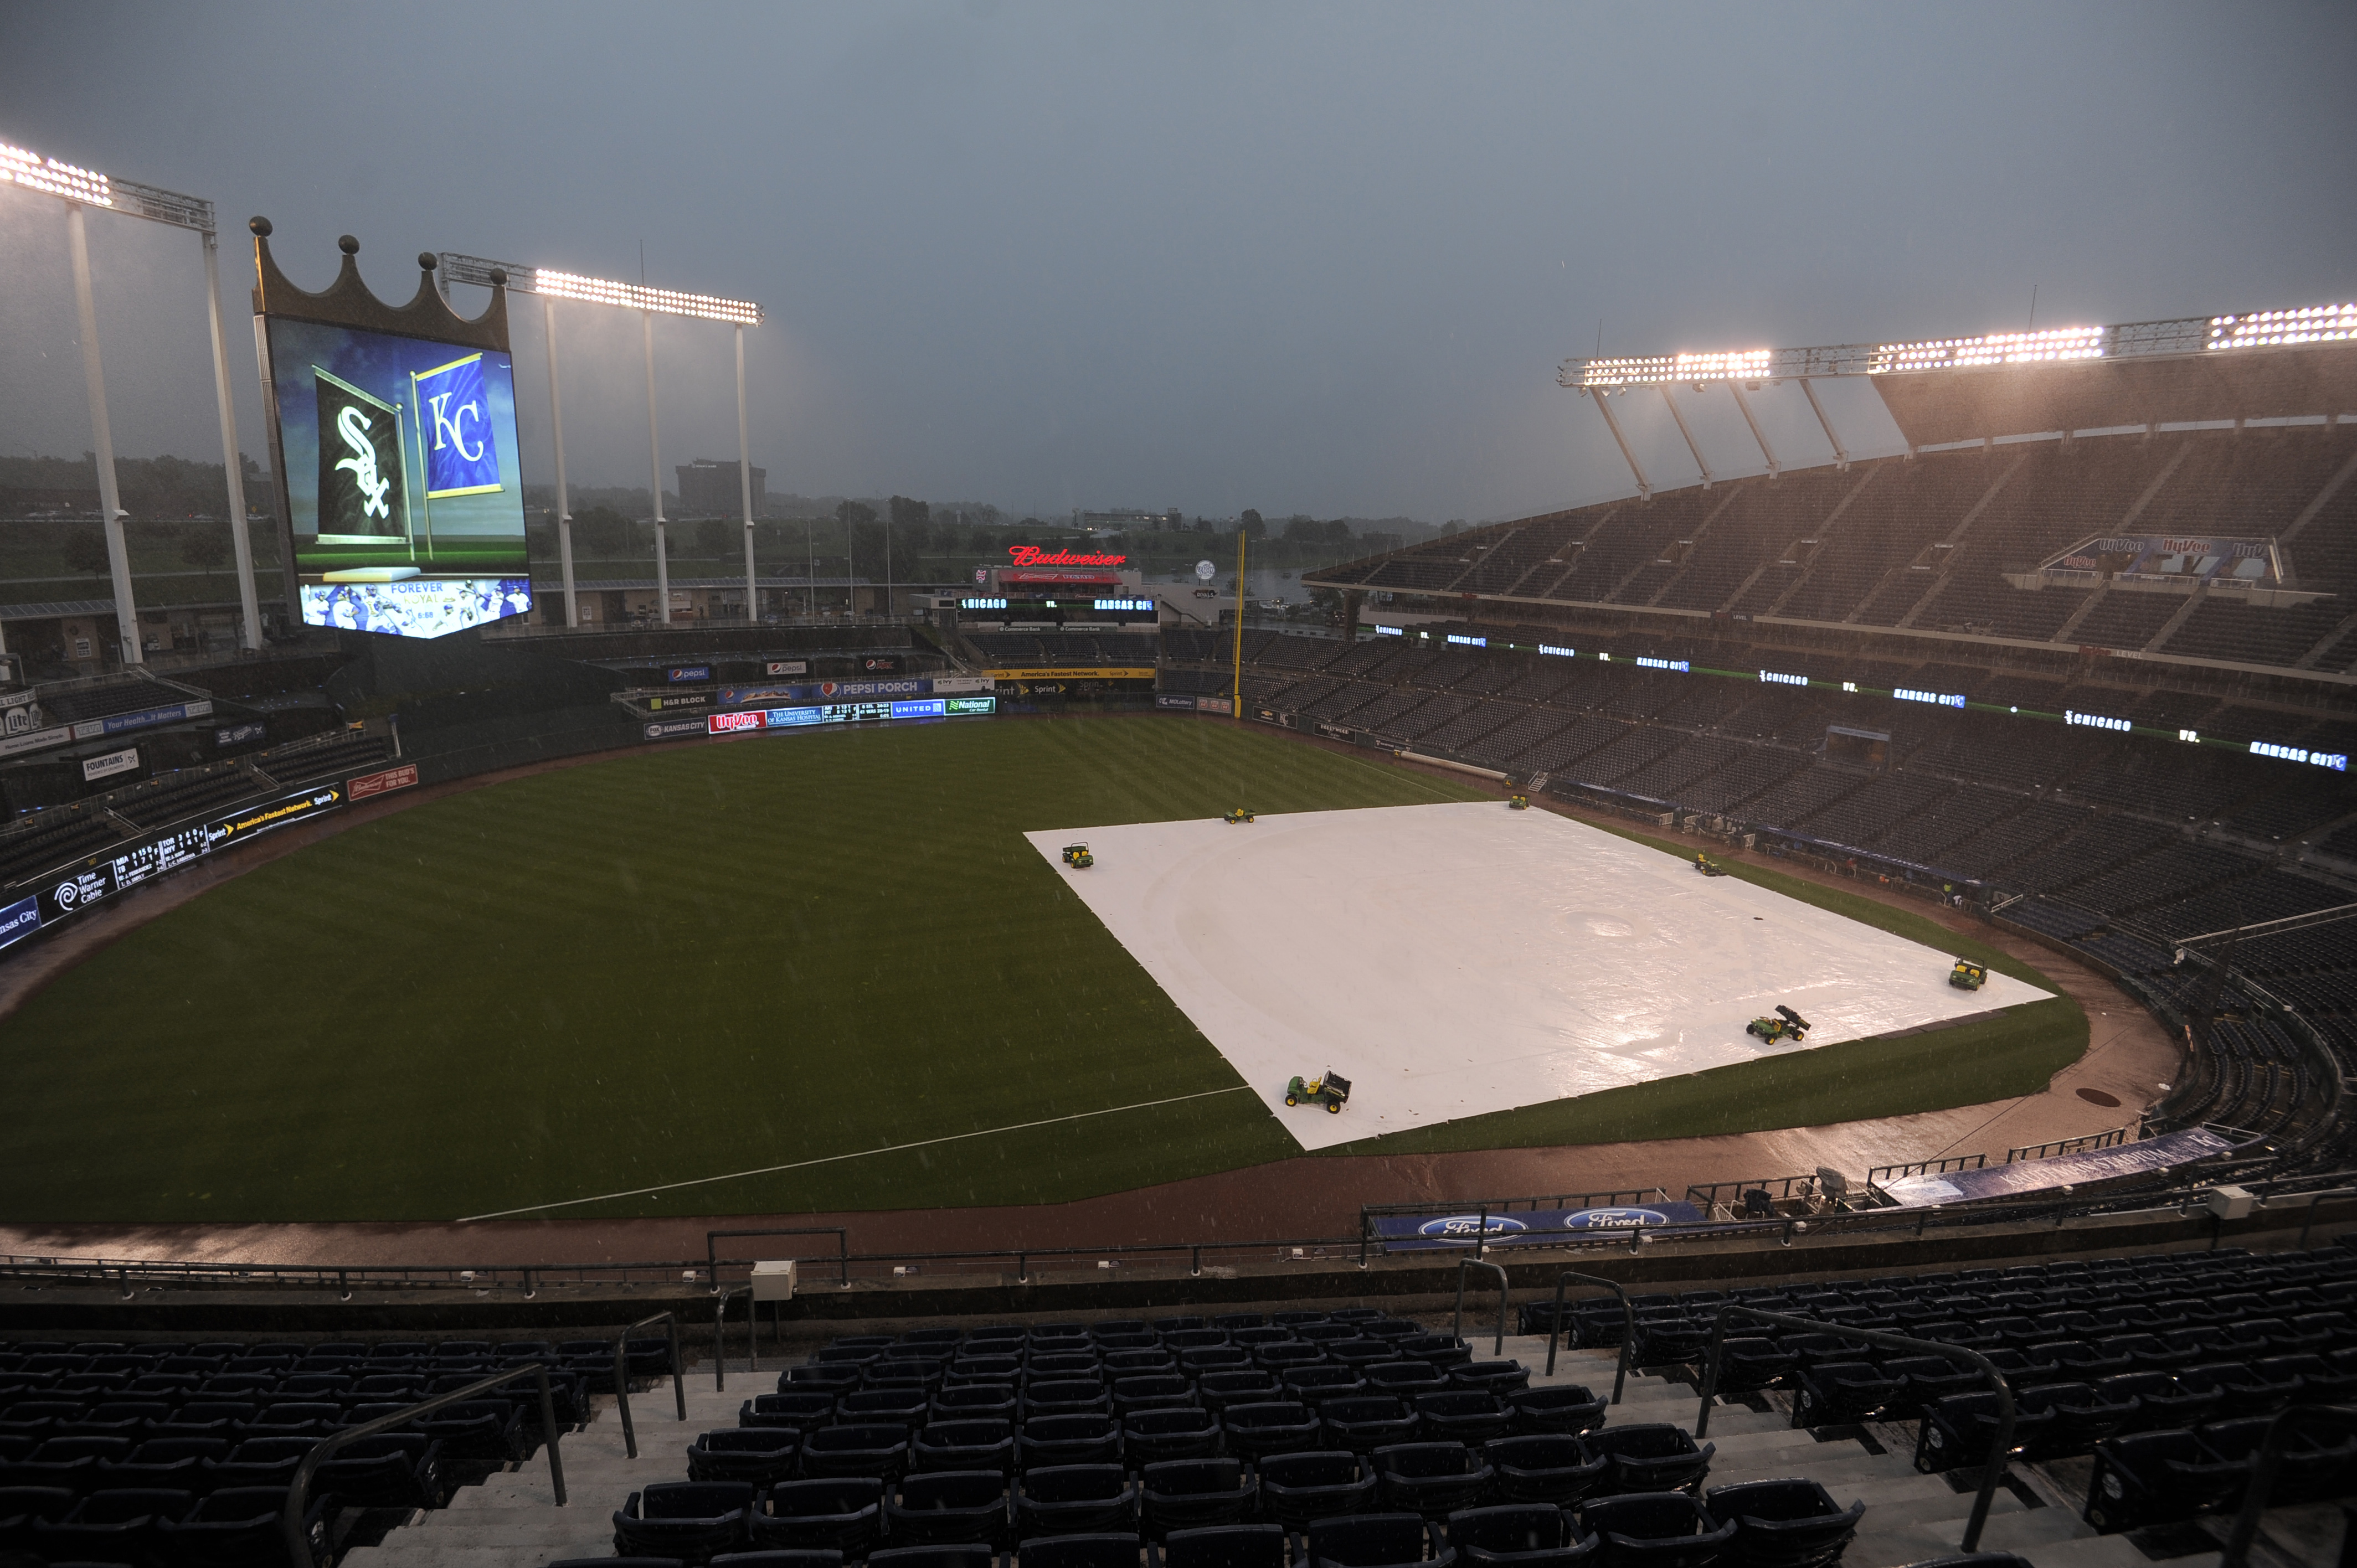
x,y
744,484
80,187
649,303
564,496
654,456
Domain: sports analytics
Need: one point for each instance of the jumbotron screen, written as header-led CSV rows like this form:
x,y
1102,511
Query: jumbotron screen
x,y
404,496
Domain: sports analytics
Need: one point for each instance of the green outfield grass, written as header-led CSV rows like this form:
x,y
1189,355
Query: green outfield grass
x,y
716,959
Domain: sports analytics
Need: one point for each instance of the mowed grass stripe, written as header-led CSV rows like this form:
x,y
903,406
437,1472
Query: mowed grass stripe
x,y
647,970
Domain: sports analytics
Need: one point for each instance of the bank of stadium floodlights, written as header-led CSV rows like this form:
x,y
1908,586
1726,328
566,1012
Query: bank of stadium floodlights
x,y
78,188
1742,370
552,285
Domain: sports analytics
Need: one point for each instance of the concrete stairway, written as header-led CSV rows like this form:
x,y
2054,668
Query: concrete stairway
x,y
512,1521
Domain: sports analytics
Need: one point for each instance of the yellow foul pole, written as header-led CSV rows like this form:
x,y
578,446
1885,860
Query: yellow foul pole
x,y
1237,709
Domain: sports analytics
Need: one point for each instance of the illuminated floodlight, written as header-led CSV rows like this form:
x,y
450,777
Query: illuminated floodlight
x,y
1992,349
29,169
2311,324
638,296
1647,370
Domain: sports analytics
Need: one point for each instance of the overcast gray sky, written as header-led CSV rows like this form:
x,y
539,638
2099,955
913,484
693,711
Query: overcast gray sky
x,y
1303,257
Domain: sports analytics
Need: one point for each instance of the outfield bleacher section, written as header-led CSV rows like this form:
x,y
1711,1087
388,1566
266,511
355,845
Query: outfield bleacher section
x,y
1924,544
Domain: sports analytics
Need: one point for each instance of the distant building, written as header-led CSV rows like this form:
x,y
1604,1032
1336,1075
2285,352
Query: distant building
x,y
708,489
1116,521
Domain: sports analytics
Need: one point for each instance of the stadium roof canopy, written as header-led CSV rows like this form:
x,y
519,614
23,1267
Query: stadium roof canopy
x,y
2263,364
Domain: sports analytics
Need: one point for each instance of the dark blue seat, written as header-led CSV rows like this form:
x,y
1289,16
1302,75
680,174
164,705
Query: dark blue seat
x,y
1368,1540
1273,1426
761,1455
965,1507
1075,1500
1223,1546
111,1525
1109,1549
1462,1415
1557,1407
1518,1535
689,1520
1553,1467
1313,1484
837,1513
237,1529
2158,1478
1434,1478
864,1450
1052,1440
1367,1422
936,1554
1149,1437
965,1445
1655,1529
1785,1523
388,1470
1651,1456
1188,1494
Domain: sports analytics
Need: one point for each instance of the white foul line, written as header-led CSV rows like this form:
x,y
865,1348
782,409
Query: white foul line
x,y
861,1155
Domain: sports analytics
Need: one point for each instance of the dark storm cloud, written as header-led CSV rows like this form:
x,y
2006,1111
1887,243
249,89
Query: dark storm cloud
x,y
1313,258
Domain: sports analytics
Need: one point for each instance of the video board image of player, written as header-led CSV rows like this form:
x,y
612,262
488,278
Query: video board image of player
x,y
404,492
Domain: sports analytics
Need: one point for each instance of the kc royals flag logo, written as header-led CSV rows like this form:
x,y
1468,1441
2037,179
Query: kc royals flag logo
x,y
454,414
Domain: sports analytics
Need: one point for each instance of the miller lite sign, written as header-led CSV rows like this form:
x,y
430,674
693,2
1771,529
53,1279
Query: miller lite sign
x,y
364,471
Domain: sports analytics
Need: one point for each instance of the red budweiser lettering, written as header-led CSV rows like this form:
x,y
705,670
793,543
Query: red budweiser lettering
x,y
369,784
1032,556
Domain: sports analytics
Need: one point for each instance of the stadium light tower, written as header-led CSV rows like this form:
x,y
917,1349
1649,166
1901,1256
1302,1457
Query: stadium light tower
x,y
80,187
552,285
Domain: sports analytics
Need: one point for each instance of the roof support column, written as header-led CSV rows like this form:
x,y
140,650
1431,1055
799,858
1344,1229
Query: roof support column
x,y
1841,453
1644,486
1774,467
1692,445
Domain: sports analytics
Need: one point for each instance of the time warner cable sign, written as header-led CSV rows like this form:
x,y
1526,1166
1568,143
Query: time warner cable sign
x,y
61,896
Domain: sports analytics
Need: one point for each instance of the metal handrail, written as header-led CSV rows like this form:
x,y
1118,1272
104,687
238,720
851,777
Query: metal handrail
x,y
2000,1448
842,1234
720,1301
1628,1324
622,1378
1457,1329
2265,1465
112,1273
298,1539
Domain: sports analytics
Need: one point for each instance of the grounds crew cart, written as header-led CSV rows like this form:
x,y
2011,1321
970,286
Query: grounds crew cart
x,y
1518,803
1782,1024
1709,866
1237,814
1078,857
1968,975
1329,1091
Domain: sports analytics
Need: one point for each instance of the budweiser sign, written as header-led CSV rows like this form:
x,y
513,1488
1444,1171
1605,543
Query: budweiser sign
x,y
367,784
1032,556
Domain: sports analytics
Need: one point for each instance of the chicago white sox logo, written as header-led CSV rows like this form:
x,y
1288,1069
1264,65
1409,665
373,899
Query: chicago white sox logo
x,y
353,424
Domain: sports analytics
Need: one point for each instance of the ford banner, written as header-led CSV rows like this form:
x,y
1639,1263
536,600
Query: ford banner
x,y
1542,1227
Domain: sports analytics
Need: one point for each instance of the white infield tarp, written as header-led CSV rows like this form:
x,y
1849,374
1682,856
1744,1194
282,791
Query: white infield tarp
x,y
1453,960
